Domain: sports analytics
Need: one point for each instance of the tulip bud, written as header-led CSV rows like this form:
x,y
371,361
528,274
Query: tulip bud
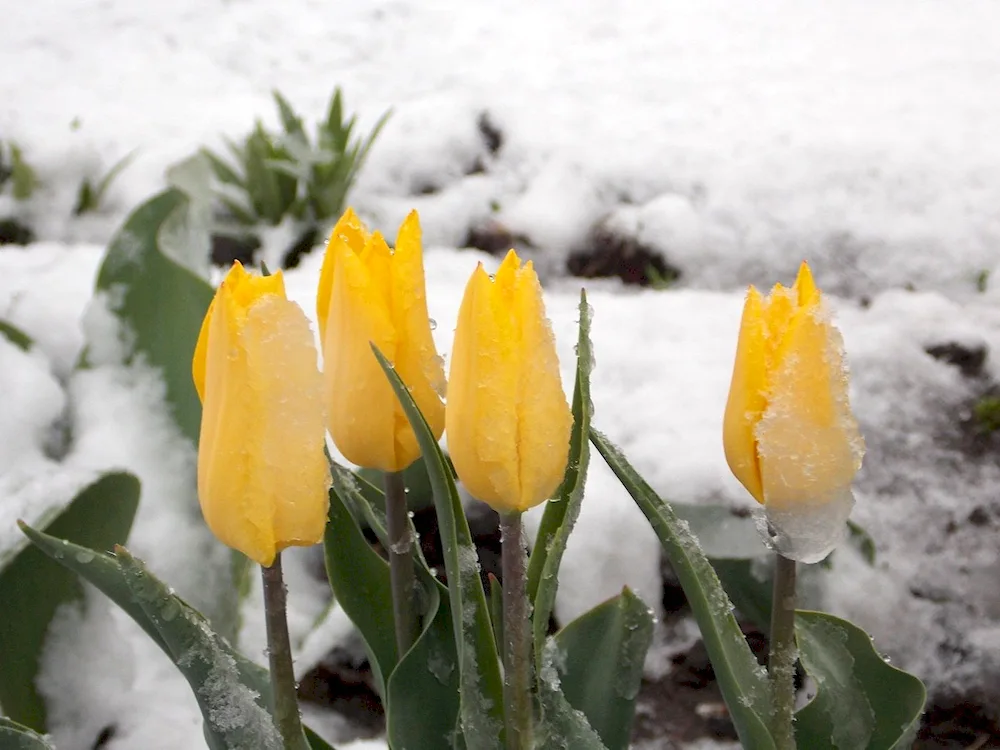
x,y
369,294
263,476
508,422
789,433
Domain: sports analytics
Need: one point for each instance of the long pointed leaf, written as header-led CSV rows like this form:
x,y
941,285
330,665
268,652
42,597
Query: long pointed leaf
x,y
742,681
14,736
560,515
360,581
16,336
423,693
222,170
479,665
235,714
231,690
32,588
289,120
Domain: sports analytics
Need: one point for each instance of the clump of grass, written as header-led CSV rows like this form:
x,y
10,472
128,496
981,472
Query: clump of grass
x,y
986,412
982,280
660,280
19,177
16,172
271,176
91,193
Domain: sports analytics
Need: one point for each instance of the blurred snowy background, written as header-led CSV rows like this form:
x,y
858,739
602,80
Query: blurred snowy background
x,y
721,142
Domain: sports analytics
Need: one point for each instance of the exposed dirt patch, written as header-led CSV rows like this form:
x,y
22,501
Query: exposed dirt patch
x,y
607,254
493,237
13,232
957,725
227,248
344,683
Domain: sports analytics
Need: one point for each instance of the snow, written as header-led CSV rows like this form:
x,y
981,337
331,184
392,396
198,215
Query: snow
x,y
734,139
859,134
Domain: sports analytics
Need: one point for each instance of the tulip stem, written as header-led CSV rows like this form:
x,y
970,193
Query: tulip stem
x,y
516,629
401,576
285,705
783,654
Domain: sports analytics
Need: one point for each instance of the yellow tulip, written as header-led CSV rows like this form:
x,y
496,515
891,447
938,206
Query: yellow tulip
x,y
263,476
789,433
508,422
371,294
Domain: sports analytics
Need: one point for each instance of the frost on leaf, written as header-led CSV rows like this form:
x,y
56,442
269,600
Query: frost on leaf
x,y
230,707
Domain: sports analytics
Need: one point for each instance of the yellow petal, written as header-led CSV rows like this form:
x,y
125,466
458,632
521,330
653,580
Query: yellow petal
x,y
246,288
805,286
544,416
808,442
416,358
382,300
349,232
262,473
779,308
376,257
746,396
480,418
198,361
507,419
360,401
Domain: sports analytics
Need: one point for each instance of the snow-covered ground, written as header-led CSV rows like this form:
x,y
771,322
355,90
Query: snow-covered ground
x,y
734,138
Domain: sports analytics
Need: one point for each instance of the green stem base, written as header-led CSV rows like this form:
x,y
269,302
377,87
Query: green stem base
x,y
401,575
517,638
783,654
285,705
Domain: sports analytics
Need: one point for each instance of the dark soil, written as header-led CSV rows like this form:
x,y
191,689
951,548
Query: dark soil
x,y
608,254
13,232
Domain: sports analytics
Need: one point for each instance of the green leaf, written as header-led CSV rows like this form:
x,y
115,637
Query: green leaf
x,y
262,181
332,176
742,681
479,665
315,741
240,211
22,175
748,584
84,198
335,112
232,697
16,336
559,723
560,514
289,120
420,692
363,499
161,303
90,196
220,676
32,587
422,703
360,581
861,701
221,169
862,540
14,736
603,654
724,534
496,606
